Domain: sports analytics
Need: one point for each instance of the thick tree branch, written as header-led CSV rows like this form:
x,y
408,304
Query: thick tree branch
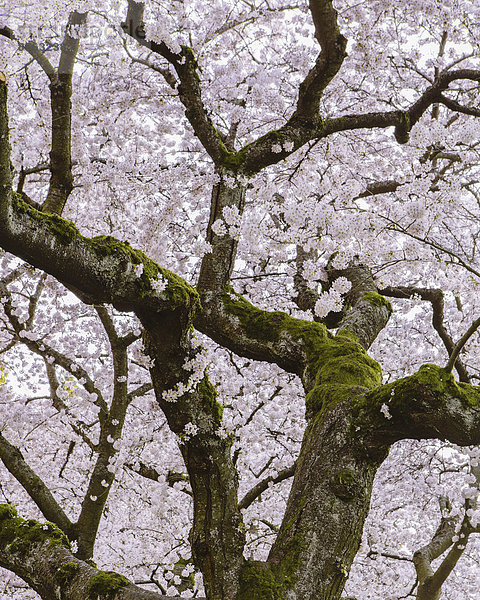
x,y
305,124
428,404
306,297
262,335
217,265
328,63
40,554
85,265
61,180
295,133
457,107
189,402
379,187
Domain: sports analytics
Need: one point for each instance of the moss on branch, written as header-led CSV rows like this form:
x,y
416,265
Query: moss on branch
x,y
336,366
176,290
19,534
65,574
266,581
208,394
65,231
105,584
429,403
377,300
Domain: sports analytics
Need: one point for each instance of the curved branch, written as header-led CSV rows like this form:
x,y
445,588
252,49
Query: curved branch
x,y
461,343
33,50
457,107
189,91
328,63
436,299
99,270
430,581
253,333
295,133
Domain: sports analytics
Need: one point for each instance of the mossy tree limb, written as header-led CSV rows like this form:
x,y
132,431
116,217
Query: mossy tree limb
x,y
99,270
329,500
428,404
40,554
365,311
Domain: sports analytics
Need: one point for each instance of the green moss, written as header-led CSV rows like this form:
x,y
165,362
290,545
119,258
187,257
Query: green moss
x,y
65,574
336,365
345,362
173,477
431,386
178,292
7,511
65,231
344,476
265,581
18,533
106,583
234,160
209,397
377,300
271,326
323,397
258,582
343,484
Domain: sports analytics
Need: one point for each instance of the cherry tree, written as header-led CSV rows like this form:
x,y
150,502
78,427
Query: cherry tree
x,y
239,282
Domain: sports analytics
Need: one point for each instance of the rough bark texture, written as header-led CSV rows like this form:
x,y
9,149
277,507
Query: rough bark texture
x,y
352,418
217,535
40,554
